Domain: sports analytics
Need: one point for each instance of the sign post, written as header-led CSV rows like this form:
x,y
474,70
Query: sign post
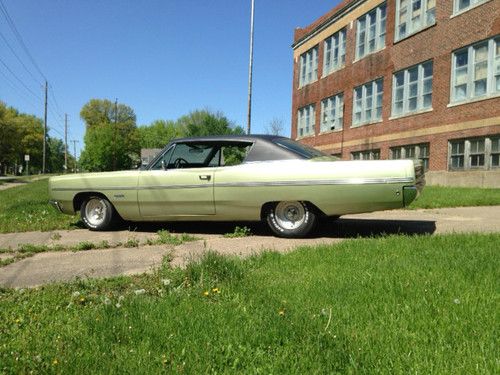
x,y
27,160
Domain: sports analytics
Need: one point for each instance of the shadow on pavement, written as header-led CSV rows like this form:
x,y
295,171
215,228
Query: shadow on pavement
x,y
341,228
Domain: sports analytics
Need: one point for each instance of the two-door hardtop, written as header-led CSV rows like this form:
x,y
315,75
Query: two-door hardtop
x,y
238,178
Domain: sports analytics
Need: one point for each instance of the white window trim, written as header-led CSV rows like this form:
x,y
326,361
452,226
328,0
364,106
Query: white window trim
x,y
490,83
406,88
457,12
342,38
424,26
314,51
312,117
378,22
363,99
339,108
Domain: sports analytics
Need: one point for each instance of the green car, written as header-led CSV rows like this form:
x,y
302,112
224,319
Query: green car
x,y
239,178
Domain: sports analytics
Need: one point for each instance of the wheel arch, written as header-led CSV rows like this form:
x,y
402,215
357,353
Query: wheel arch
x,y
79,198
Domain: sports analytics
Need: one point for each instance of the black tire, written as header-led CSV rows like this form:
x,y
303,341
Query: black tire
x,y
97,213
291,219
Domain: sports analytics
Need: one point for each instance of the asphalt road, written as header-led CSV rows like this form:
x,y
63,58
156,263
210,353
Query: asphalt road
x,y
65,266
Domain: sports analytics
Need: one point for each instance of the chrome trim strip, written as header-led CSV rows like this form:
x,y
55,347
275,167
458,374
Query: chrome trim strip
x,y
341,181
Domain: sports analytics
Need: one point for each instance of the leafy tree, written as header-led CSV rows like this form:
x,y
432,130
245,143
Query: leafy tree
x,y
111,138
205,123
159,133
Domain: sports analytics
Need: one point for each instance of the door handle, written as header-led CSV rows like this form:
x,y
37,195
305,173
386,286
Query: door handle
x,y
205,177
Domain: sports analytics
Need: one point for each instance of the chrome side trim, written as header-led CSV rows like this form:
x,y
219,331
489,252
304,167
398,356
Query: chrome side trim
x,y
342,181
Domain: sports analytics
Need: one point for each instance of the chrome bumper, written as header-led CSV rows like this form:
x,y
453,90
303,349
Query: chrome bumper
x,y
56,204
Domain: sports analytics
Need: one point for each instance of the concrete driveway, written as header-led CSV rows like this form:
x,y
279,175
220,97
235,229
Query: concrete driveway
x,y
65,266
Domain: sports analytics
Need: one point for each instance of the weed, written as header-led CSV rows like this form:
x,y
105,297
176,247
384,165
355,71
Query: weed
x,y
131,242
239,232
55,236
84,245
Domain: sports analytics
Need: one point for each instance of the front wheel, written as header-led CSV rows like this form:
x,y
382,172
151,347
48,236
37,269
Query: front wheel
x,y
291,219
97,213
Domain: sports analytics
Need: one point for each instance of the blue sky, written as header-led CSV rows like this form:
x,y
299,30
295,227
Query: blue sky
x,y
162,58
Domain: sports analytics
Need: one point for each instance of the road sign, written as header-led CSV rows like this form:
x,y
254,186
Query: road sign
x,y
26,158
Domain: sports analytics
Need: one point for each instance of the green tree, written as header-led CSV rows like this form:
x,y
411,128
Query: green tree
x,y
159,133
205,123
111,138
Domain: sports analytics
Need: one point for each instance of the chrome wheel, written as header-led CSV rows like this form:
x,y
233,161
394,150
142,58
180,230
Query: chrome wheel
x,y
290,215
291,219
97,213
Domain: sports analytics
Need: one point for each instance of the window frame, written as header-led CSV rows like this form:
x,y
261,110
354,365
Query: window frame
x,y
374,108
337,101
341,38
423,17
492,71
308,66
468,153
301,116
373,154
380,31
422,152
473,4
420,82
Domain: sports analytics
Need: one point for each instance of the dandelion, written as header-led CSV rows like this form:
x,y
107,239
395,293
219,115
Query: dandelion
x,y
55,362
281,312
139,291
205,293
216,290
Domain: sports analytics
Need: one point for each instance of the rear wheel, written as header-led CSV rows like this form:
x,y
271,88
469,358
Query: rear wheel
x,y
291,219
97,213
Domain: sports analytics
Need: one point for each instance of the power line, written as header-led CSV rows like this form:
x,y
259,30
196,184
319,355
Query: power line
x,y
19,38
28,99
19,59
20,81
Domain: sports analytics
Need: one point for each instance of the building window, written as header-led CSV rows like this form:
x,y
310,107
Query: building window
x,y
306,119
414,15
463,5
368,102
474,153
332,113
334,53
412,89
370,36
419,151
476,71
366,155
309,66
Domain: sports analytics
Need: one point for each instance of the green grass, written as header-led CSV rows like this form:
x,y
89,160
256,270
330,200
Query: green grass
x,y
239,232
25,208
440,197
390,305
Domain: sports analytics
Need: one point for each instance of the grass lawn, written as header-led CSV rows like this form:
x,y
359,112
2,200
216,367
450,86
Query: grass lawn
x,y
441,196
26,208
389,305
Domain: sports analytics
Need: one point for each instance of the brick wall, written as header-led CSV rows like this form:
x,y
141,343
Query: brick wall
x,y
433,43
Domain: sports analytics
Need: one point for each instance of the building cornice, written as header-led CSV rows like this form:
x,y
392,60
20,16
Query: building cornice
x,y
337,14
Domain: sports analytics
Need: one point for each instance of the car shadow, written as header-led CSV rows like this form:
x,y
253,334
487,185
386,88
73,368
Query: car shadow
x,y
341,228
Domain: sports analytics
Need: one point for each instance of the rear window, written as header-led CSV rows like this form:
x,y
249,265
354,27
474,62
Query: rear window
x,y
299,148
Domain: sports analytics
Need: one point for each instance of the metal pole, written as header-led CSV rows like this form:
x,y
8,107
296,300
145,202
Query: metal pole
x,y
65,143
44,130
114,138
250,69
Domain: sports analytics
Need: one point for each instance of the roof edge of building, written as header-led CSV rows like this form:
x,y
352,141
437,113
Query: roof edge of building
x,y
302,35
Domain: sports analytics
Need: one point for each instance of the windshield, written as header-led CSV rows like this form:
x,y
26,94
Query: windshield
x,y
305,151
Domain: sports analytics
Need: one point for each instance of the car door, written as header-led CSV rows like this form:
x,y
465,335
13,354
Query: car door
x,y
181,183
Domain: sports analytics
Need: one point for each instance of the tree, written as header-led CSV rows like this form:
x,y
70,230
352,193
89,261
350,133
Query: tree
x,y
205,123
111,138
159,133
275,127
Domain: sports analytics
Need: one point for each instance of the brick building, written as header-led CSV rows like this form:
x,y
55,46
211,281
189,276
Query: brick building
x,y
404,79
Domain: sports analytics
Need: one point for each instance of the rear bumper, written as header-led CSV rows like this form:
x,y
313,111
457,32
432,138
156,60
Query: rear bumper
x,y
409,194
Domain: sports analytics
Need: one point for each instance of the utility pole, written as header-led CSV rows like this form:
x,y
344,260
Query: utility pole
x,y
65,143
114,138
250,69
45,130
74,148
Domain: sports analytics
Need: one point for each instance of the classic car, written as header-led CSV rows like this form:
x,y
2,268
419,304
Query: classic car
x,y
239,178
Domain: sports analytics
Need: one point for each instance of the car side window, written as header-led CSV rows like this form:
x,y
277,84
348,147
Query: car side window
x,y
162,162
191,155
234,154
